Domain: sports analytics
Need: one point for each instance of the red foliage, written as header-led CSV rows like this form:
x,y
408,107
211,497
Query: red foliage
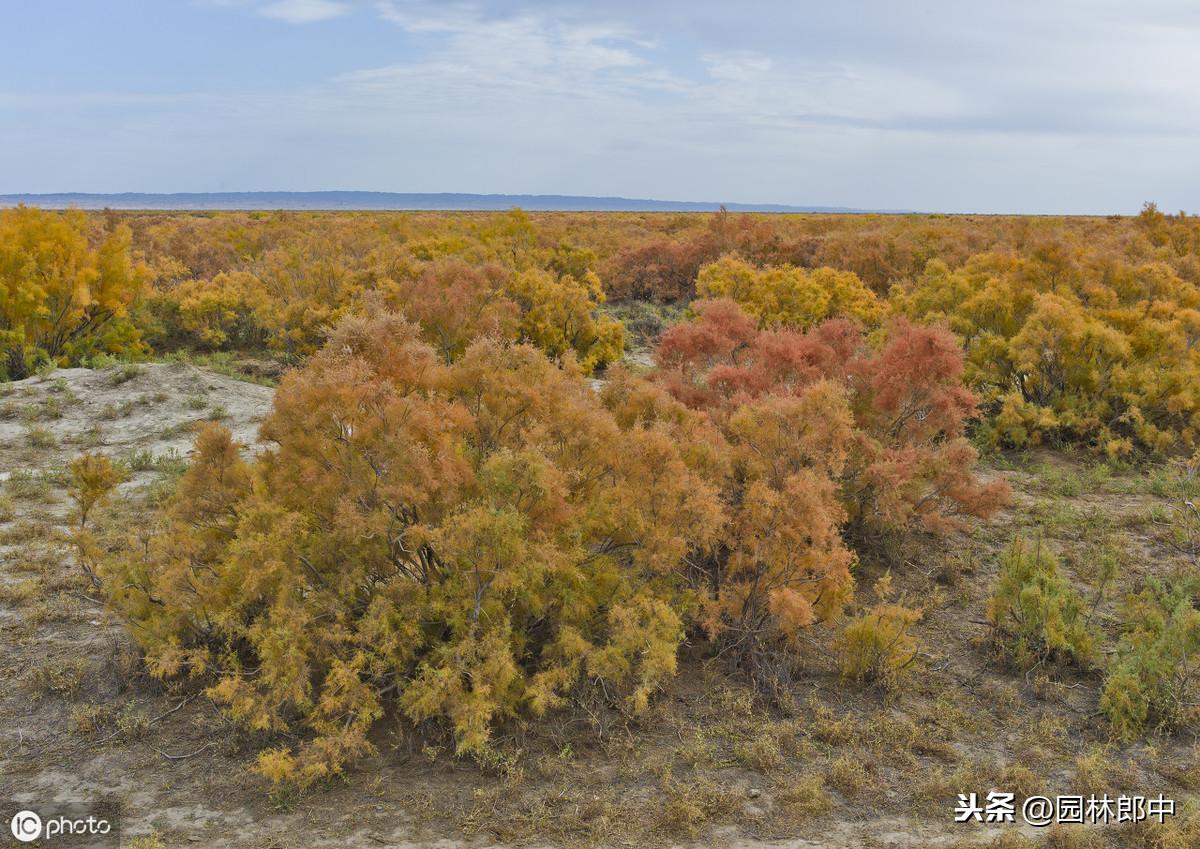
x,y
911,463
660,270
455,303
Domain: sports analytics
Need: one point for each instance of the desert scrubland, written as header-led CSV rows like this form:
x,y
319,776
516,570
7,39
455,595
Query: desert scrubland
x,y
599,529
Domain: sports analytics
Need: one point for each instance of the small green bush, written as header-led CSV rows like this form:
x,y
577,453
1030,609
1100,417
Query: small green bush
x,y
1154,681
1036,614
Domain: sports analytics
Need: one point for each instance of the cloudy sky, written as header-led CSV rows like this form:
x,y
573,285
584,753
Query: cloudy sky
x,y
1047,106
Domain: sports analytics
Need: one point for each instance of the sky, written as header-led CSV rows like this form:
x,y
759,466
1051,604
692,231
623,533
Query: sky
x,y
1056,106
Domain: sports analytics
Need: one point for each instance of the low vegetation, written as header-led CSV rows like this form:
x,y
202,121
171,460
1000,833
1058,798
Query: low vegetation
x,y
1037,614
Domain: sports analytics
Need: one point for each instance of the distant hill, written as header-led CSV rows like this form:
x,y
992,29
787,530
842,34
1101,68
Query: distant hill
x,y
388,200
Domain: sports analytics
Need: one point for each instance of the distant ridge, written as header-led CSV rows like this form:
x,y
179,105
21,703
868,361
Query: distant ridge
x,y
388,201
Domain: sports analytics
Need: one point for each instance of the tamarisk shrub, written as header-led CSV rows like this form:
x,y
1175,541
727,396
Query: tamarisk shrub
x,y
558,315
93,479
878,646
777,564
1036,614
903,459
1071,343
819,434
660,269
1152,682
454,303
789,296
64,296
224,312
472,539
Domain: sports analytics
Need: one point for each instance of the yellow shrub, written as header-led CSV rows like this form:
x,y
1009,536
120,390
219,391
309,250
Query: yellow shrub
x,y
789,296
471,540
1072,346
558,314
879,644
61,297
226,311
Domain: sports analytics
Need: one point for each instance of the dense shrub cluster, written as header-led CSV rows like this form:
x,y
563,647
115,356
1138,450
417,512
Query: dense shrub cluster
x,y
287,299
1079,330
453,523
483,534
475,538
65,292
787,295
1073,348
820,434
896,449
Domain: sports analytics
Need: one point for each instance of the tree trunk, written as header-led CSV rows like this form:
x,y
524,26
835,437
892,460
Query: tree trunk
x,y
16,366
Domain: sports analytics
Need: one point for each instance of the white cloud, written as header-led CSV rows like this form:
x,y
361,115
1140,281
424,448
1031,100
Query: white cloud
x,y
1038,105
304,11
742,65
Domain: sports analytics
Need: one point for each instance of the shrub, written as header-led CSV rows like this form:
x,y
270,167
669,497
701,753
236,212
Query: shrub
x,y
556,310
778,564
473,539
227,311
62,298
1153,681
645,321
1034,611
659,270
1070,344
903,460
879,645
789,296
558,314
293,298
93,478
802,433
454,304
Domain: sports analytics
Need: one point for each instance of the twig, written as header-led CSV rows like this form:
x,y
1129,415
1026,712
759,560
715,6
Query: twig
x,y
150,722
171,757
172,710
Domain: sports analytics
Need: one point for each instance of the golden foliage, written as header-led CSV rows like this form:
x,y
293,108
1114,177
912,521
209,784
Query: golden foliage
x,y
789,296
64,295
479,537
879,645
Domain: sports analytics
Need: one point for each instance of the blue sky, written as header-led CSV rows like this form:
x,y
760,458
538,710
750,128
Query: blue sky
x,y
1051,106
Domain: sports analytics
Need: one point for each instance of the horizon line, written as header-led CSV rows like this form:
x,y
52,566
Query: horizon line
x,y
297,200
368,200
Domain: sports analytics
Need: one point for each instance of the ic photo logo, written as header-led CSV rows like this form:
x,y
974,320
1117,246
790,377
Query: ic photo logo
x,y
28,826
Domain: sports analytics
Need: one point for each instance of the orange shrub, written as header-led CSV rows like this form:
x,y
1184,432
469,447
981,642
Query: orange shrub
x,y
470,539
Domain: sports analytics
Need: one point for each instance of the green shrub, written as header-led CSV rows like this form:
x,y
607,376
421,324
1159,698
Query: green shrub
x,y
1154,682
1035,612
